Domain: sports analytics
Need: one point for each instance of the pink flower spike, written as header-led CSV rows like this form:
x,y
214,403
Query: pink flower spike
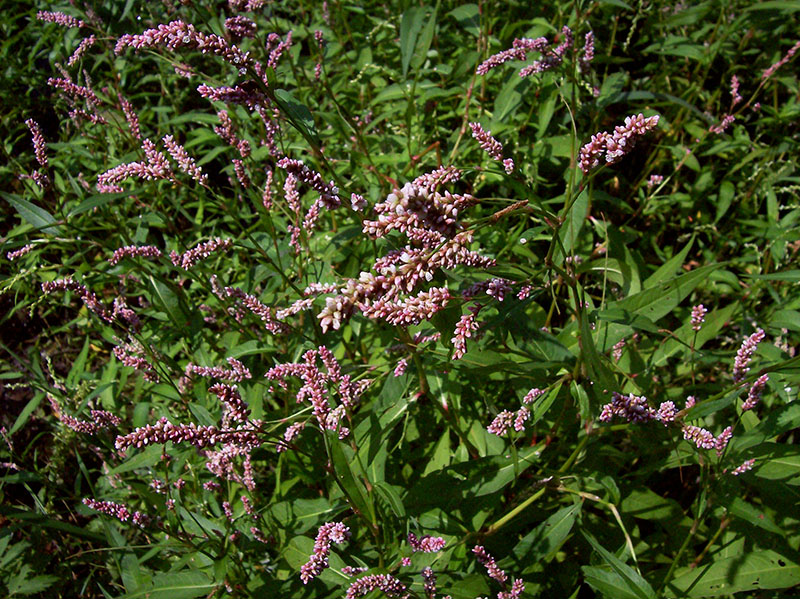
x,y
60,18
745,354
746,465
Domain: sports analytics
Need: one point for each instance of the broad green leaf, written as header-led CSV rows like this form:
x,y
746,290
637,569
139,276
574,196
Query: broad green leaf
x,y
569,231
347,479
392,497
608,583
724,199
777,462
669,268
544,541
37,217
473,478
26,412
542,404
410,26
780,420
99,200
441,455
20,584
597,369
647,505
468,17
749,513
79,365
658,301
751,572
631,580
683,338
793,276
168,301
144,459
175,585
469,587
299,115
424,41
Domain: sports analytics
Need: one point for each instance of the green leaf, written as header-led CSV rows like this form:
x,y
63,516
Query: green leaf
x,y
793,276
658,301
389,493
299,115
20,584
352,487
148,457
38,218
410,26
542,404
647,505
168,301
468,17
608,583
569,231
749,513
78,365
669,268
764,569
631,581
473,478
26,412
681,339
424,42
597,370
724,199
175,585
544,541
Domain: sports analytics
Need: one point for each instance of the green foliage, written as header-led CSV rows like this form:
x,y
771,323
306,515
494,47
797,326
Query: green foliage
x,y
476,420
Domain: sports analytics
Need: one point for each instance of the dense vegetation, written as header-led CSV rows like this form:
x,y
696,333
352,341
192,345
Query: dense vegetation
x,y
469,300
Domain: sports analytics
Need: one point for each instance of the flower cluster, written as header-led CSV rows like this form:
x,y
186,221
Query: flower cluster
x,y
427,544
129,251
156,167
100,419
615,145
90,300
430,221
744,355
744,467
246,301
331,532
486,560
236,409
200,252
698,316
386,583
329,193
14,254
40,151
771,70
237,371
85,44
177,35
240,26
132,354
317,387
60,18
506,419
755,392
118,511
185,162
200,436
551,57
491,146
